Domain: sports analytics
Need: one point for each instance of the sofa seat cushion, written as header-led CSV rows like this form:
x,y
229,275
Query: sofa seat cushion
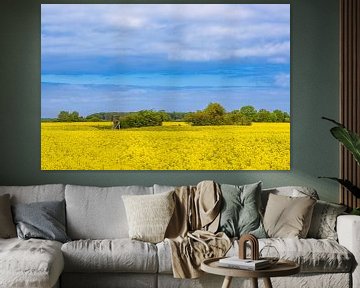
x,y
313,255
30,263
115,255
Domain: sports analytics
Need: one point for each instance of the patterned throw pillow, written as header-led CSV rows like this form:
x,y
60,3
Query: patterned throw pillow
x,y
240,213
323,223
288,217
149,215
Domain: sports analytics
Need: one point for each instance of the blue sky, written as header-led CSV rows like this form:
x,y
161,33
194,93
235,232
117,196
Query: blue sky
x,y
173,57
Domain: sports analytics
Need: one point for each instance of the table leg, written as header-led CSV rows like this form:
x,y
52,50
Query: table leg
x,y
254,282
227,282
267,283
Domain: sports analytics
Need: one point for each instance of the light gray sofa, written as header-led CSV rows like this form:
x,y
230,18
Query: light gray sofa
x,y
101,255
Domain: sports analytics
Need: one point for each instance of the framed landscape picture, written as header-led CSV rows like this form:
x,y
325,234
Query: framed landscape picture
x,y
165,87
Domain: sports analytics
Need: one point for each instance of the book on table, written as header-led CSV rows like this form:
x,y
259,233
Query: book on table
x,y
236,262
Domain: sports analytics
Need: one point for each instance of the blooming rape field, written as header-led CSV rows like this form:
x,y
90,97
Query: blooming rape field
x,y
95,146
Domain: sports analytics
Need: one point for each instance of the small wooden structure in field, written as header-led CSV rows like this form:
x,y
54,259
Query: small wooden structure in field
x,y
116,123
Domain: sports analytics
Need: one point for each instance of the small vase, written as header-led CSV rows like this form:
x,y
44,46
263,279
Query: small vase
x,y
270,253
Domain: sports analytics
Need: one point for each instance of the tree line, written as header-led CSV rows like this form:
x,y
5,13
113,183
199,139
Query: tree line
x,y
67,116
213,114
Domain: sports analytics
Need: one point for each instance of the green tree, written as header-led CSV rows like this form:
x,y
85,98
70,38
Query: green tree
x,y
215,110
286,117
236,118
143,118
249,111
164,116
93,119
74,116
264,116
64,116
278,116
199,118
213,114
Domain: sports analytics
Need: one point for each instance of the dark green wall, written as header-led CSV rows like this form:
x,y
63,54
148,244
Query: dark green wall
x,y
314,93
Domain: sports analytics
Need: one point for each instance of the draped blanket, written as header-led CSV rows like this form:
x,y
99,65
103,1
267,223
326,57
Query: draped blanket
x,y
191,231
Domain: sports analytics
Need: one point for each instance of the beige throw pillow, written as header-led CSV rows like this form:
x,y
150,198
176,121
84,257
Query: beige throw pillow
x,y
149,215
7,226
288,217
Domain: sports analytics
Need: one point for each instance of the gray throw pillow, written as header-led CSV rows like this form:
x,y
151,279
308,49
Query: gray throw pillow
x,y
44,220
240,213
7,227
323,222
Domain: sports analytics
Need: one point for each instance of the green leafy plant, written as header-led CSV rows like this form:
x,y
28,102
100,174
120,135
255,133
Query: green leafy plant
x,y
351,141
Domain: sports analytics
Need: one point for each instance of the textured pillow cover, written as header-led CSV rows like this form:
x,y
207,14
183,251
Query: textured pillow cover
x,y
323,222
7,226
43,220
149,215
240,213
288,217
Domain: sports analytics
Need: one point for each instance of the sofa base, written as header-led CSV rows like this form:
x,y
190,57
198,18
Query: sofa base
x,y
108,280
309,280
134,280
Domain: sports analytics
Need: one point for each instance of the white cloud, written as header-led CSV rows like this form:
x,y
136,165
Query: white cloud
x,y
189,32
268,49
197,55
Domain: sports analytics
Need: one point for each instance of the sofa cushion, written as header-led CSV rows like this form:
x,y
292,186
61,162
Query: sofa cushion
x,y
323,222
30,263
287,216
117,255
43,220
240,210
164,257
98,213
7,226
36,193
313,255
149,215
291,191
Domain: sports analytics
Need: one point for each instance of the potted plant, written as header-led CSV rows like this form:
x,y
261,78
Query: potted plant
x,y
351,141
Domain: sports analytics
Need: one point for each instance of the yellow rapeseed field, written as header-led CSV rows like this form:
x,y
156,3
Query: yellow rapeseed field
x,y
95,146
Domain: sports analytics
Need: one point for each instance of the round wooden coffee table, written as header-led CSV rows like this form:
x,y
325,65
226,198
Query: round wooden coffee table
x,y
281,268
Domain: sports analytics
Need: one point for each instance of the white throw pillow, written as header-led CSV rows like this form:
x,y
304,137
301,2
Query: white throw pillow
x,y
149,215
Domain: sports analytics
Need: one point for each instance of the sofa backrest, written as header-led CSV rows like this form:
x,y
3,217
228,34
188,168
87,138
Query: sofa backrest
x,y
163,188
98,212
293,191
36,193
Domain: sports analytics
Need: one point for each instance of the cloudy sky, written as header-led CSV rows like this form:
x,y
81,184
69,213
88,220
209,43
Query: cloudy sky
x,y
173,57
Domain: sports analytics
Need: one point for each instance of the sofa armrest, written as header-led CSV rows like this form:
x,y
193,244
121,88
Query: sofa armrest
x,y
348,230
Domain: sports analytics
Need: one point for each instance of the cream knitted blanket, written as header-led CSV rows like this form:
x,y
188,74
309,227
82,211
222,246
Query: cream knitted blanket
x,y
191,231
